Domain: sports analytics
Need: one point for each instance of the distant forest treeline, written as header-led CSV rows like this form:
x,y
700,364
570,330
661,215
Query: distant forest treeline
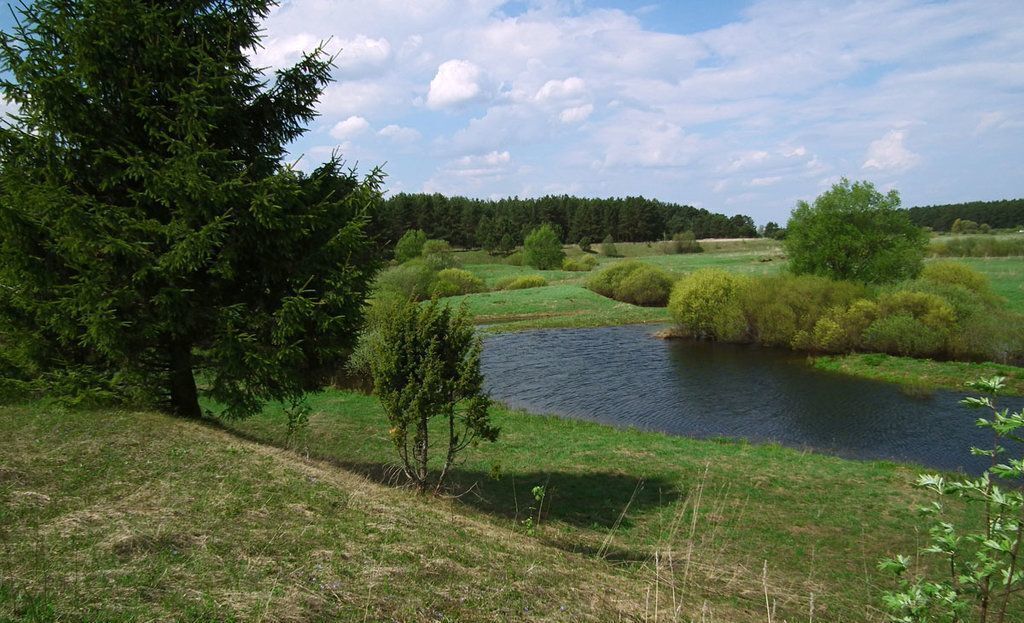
x,y
997,214
502,224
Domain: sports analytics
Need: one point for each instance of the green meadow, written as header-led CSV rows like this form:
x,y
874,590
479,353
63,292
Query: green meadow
x,y
234,521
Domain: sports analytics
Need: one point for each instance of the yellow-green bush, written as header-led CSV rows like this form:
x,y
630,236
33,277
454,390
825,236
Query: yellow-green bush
x,y
633,282
708,304
930,309
579,264
841,329
647,286
521,283
455,281
411,280
903,335
778,308
957,274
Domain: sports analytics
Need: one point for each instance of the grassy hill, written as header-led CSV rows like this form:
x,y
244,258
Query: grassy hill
x,y
127,516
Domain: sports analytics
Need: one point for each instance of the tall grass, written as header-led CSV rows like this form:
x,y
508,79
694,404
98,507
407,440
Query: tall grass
x,y
977,246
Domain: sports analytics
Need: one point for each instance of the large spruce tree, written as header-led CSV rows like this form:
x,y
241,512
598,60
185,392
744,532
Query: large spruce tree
x,y
150,230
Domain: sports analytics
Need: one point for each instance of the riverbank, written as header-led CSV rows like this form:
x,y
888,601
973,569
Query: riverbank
x,y
185,519
921,375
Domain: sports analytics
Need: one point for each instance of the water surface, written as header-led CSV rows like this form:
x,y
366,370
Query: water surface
x,y
625,377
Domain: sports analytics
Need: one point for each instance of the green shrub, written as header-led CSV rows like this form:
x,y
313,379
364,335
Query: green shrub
x,y
585,244
579,264
608,279
648,286
841,329
931,310
412,280
542,248
515,259
425,361
438,255
708,304
410,245
957,274
608,247
903,335
779,307
455,281
521,283
686,242
995,335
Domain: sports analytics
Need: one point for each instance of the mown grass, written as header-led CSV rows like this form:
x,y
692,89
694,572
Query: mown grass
x,y
564,305
922,373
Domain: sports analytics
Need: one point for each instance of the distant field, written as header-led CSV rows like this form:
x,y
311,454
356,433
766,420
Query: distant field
x,y
567,303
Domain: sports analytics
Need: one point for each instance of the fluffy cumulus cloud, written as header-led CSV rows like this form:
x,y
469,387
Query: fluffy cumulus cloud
x,y
456,82
756,108
349,127
400,134
890,154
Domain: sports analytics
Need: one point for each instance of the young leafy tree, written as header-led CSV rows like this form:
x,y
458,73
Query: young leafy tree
x,y
425,361
149,229
983,570
542,249
856,233
410,245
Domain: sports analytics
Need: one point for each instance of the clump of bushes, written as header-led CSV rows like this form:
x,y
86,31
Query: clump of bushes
x,y
411,280
633,282
585,244
948,312
455,282
521,283
579,264
433,273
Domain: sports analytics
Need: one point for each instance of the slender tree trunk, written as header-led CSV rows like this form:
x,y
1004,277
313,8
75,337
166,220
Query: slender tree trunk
x,y
182,382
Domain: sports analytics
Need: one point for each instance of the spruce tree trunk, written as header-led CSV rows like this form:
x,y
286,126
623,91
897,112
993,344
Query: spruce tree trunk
x,y
184,395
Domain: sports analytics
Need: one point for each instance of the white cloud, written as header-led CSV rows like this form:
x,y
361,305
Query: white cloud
x,y
456,82
561,89
349,127
685,116
400,134
889,154
362,53
576,114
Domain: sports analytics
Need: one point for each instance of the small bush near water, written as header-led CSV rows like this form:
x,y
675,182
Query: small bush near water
x,y
521,283
633,282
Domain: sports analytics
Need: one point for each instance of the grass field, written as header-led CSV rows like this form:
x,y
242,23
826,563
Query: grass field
x,y
189,522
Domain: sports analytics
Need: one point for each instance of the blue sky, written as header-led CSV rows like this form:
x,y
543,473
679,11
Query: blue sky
x,y
738,107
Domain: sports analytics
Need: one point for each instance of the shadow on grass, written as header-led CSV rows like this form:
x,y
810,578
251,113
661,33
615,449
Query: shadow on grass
x,y
586,499
583,499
